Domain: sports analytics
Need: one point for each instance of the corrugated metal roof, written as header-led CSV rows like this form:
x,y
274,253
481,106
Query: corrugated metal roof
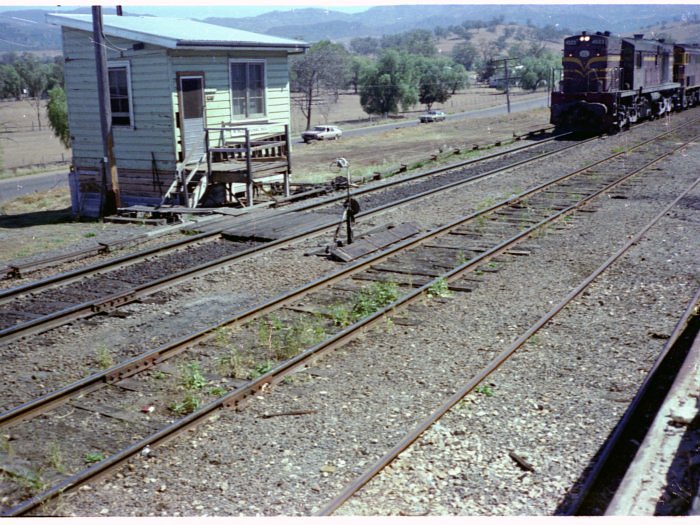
x,y
176,32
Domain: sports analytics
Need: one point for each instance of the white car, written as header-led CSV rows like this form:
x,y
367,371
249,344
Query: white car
x,y
322,133
432,116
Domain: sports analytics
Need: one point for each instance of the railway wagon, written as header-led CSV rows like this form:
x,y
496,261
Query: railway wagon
x,y
610,82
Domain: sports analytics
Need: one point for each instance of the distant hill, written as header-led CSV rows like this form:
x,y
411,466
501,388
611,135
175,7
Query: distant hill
x,y
26,30
317,24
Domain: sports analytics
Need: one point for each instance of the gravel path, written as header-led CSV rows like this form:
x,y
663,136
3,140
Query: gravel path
x,y
553,404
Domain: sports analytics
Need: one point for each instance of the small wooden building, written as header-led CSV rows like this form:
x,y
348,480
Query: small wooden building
x,y
199,112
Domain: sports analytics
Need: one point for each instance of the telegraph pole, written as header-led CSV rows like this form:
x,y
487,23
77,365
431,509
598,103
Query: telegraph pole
x,y
112,199
507,78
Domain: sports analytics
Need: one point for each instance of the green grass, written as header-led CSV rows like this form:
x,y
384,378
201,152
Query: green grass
x,y
231,364
440,288
485,390
286,339
189,404
94,457
191,376
104,357
55,458
32,480
373,298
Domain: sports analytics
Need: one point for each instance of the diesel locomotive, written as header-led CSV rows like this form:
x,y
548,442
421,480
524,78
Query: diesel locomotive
x,y
609,82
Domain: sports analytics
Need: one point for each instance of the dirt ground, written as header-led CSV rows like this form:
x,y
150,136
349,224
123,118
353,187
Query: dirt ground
x,y
380,152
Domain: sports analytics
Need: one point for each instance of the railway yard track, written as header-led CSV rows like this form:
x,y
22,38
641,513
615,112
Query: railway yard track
x,y
46,303
499,285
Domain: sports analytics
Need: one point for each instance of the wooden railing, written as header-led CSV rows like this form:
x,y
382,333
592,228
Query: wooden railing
x,y
232,143
249,144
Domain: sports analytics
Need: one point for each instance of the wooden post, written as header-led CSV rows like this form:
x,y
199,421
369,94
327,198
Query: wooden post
x,y
249,169
113,194
289,160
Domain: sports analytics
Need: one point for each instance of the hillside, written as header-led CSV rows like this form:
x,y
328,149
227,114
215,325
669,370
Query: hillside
x,y
26,30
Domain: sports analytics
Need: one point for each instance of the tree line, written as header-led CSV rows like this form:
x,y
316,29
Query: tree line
x,y
404,69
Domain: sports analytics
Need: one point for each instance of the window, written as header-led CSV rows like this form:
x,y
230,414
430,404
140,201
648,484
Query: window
x,y
247,89
120,94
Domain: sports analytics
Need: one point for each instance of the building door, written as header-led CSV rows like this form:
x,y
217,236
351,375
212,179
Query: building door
x,y
191,94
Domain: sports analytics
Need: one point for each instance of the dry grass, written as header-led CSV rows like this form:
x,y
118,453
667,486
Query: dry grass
x,y
38,223
380,152
24,148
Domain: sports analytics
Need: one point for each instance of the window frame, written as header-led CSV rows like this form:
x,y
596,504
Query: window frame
x,y
247,115
122,64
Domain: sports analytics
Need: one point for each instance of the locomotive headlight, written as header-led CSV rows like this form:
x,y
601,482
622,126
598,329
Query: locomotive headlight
x,y
584,38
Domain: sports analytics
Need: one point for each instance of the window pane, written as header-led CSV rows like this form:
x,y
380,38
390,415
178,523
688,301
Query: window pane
x,y
247,89
256,89
119,96
238,88
192,104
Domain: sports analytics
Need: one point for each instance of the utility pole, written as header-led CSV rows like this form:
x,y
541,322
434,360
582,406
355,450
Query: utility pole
x,y
507,78
112,199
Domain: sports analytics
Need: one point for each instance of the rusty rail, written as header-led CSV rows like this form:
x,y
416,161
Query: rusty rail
x,y
412,436
234,398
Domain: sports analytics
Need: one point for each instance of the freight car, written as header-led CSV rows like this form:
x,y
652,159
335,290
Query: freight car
x,y
610,82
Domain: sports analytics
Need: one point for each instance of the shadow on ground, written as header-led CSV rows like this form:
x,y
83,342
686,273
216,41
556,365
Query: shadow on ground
x,y
36,218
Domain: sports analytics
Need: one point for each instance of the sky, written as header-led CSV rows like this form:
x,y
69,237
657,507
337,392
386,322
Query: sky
x,y
245,8
190,9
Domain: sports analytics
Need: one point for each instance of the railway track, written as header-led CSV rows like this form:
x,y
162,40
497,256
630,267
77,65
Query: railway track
x,y
22,269
103,287
428,264
480,377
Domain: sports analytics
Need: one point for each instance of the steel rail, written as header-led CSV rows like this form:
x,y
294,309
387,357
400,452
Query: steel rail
x,y
236,397
626,420
58,318
73,275
153,357
9,294
412,436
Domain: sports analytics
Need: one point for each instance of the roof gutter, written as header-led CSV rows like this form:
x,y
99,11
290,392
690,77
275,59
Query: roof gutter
x,y
242,46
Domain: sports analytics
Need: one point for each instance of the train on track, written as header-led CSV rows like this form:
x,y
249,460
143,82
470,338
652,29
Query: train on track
x,y
608,82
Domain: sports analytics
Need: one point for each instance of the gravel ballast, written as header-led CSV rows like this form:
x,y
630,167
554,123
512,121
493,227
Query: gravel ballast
x,y
553,404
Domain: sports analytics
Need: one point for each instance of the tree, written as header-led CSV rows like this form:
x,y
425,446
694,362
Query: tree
x,y
439,80
58,115
390,82
10,82
35,76
364,45
465,53
358,66
415,42
318,75
537,70
441,32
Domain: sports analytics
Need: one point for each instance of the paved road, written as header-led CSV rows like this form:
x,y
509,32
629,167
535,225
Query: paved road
x,y
16,187
41,182
515,107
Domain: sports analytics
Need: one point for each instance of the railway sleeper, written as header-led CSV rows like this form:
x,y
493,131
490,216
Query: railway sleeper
x,y
113,302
